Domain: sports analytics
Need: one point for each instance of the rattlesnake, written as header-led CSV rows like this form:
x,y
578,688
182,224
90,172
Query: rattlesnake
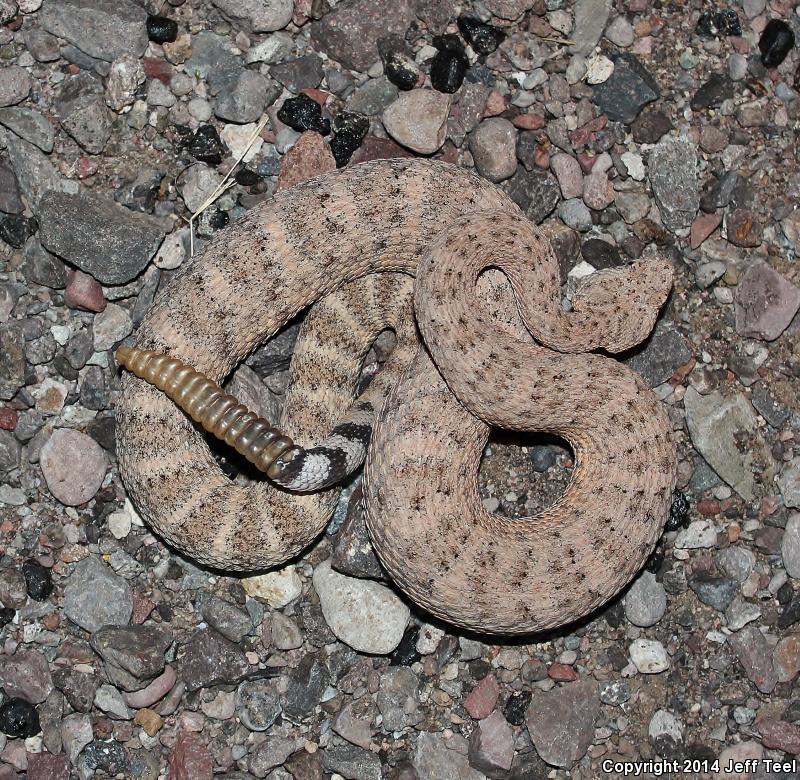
x,y
445,225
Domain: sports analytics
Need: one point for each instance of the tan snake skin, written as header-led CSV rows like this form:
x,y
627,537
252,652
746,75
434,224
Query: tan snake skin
x,y
466,566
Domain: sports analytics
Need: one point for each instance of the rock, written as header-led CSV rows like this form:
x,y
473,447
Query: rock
x,y
257,704
372,97
82,112
673,177
353,554
575,214
18,718
84,292
418,120
76,731
111,326
257,15
10,452
738,562
493,147
10,202
133,655
270,753
591,17
104,29
15,84
33,169
491,745
78,689
73,465
482,699
350,32
713,93
702,227
615,692
211,659
484,38
597,191
648,656
664,352
43,766
786,658
751,649
278,588
38,580
353,762
449,65
307,683
434,760
776,40
26,675
666,732
246,99
110,701
161,29
650,127
765,302
310,156
190,759
124,78
298,74
790,546
398,698
196,184
349,131
274,48
303,113
715,424
561,722
29,125
569,175
742,229
94,596
365,615
779,735
627,91
717,592
111,243
232,622
789,483
44,268
645,601
536,192
354,721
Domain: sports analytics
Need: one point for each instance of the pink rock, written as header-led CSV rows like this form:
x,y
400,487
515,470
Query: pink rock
x,y
495,104
374,148
156,68
597,191
85,167
190,759
43,766
152,693
780,735
703,226
568,172
8,418
73,465
583,135
786,658
765,302
309,157
528,121
562,673
482,698
84,292
491,745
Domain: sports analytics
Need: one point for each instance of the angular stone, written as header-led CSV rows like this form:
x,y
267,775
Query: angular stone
x,y
482,698
352,761
673,177
418,119
258,15
15,84
111,243
751,649
591,17
491,745
536,192
627,91
29,125
94,596
210,659
190,759
133,654
435,759
663,353
765,302
307,683
34,170
26,675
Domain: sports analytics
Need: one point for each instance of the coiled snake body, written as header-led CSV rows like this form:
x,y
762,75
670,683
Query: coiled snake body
x,y
351,240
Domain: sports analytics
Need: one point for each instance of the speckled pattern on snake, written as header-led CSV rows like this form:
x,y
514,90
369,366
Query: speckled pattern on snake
x,y
508,355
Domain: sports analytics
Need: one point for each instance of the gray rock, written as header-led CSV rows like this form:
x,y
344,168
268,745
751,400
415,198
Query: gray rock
x,y
124,77
632,206
133,655
33,169
575,214
765,302
645,601
627,91
42,46
740,613
398,698
232,622
355,721
13,591
10,452
29,125
494,148
790,546
418,119
434,759
770,409
83,113
298,74
213,61
78,688
109,700
76,732
591,17
352,762
753,652
13,366
353,554
51,713
673,177
257,704
307,683
42,267
246,99
737,562
111,243
714,424
536,192
73,465
257,15
666,732
363,614
717,592
104,29
491,745
789,483
95,597
10,202
350,32
373,96
211,659
614,692
664,351
15,84
561,722
26,675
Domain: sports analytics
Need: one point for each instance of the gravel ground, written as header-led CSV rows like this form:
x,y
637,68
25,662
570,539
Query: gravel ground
x,y
625,128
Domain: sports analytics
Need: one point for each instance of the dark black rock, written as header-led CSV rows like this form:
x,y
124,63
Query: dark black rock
x,y
713,24
718,88
600,253
38,580
449,65
784,594
206,145
406,653
398,65
6,616
718,193
349,130
109,756
542,457
627,91
775,43
246,177
15,229
650,127
516,707
678,512
614,614
103,431
218,219
141,193
307,683
483,38
18,718
655,561
160,29
790,614
303,113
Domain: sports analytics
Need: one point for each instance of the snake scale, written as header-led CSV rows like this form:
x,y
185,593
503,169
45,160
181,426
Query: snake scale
x,y
499,350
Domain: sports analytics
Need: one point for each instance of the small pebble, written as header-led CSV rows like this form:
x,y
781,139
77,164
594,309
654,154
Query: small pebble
x,y
38,580
483,38
303,113
775,42
449,65
19,719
